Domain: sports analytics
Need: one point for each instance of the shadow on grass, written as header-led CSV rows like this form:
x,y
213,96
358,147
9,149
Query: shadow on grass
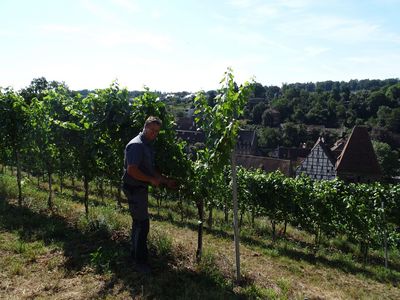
x,y
93,200
304,252
105,254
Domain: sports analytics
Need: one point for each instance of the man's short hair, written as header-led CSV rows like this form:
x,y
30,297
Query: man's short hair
x,y
153,119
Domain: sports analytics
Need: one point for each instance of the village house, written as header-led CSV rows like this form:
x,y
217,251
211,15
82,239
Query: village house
x,y
358,162
246,148
352,160
266,164
247,142
319,164
296,155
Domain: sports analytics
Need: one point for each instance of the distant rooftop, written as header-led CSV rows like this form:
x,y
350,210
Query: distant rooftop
x,y
358,155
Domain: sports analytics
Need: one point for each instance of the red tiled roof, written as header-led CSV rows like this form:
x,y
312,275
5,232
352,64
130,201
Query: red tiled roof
x,y
267,164
358,155
290,153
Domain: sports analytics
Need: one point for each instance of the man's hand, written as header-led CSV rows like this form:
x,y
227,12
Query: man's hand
x,y
167,182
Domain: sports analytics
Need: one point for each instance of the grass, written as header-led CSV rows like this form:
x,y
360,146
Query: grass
x,y
62,254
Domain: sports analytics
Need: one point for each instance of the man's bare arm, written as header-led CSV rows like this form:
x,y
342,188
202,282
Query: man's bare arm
x,y
136,173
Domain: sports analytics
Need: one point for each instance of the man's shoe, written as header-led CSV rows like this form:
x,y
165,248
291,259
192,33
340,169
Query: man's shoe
x,y
143,268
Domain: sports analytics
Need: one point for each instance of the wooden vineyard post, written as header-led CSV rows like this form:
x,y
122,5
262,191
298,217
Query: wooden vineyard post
x,y
235,214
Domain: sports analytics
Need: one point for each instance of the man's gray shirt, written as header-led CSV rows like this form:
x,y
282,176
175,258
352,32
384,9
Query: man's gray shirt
x,y
139,152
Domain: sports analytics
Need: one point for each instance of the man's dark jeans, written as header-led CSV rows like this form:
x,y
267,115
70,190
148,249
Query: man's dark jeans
x,y
138,207
140,230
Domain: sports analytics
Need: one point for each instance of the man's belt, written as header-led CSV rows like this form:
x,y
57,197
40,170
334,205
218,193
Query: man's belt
x,y
133,188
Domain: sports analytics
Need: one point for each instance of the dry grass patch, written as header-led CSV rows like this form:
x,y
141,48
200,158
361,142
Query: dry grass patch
x,y
68,256
287,277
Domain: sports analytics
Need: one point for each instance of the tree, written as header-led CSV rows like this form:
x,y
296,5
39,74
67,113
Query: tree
x,y
293,135
269,137
393,93
283,106
258,90
272,92
376,100
383,115
388,159
257,112
358,104
38,88
290,91
394,120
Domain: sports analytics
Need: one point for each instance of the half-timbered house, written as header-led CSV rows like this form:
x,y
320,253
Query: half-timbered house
x,y
352,160
319,164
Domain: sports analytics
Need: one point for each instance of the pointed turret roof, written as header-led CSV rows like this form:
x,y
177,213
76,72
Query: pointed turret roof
x,y
358,155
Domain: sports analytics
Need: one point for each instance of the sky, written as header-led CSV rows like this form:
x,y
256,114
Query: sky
x,y
187,45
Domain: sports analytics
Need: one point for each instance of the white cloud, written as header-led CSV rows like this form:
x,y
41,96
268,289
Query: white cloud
x,y
332,28
252,39
168,76
109,38
382,59
133,37
386,2
315,50
258,14
256,11
297,4
128,5
242,3
7,33
302,18
361,59
355,31
58,28
252,59
156,14
287,41
220,17
266,10
391,37
98,10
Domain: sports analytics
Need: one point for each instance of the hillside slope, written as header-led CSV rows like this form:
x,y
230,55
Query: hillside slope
x,y
64,255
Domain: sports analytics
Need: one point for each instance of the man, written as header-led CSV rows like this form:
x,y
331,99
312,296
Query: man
x,y
139,173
